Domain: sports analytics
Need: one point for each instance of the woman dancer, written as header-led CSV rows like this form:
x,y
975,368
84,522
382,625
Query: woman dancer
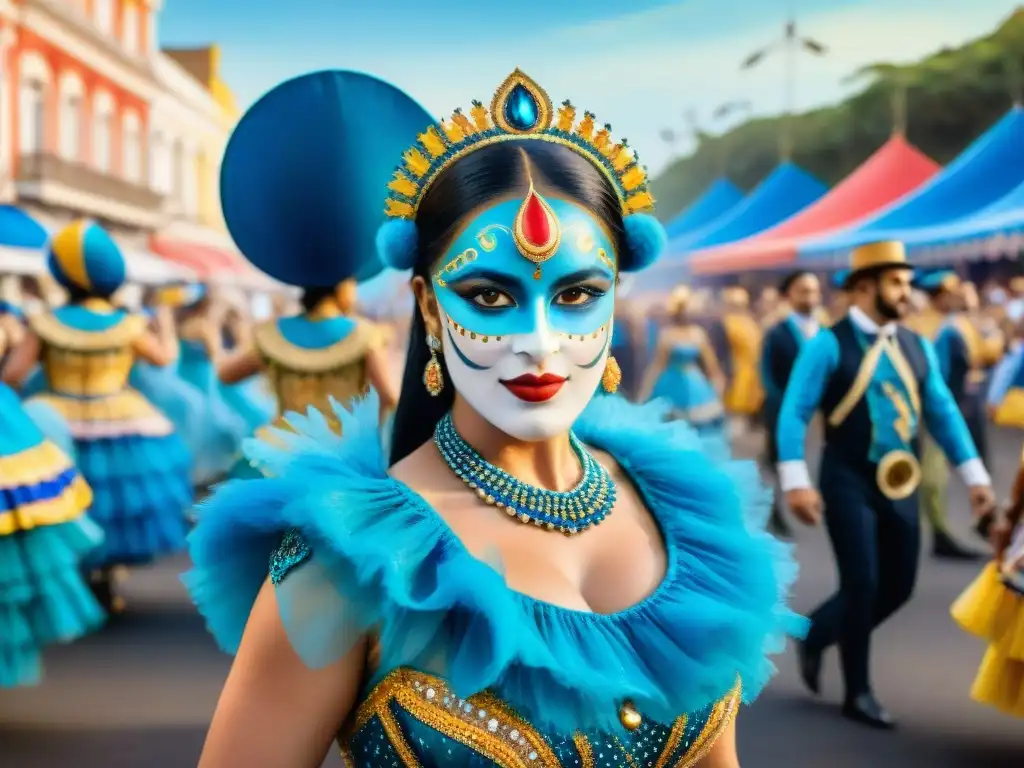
x,y
464,606
127,451
183,403
226,428
44,536
685,370
321,239
993,609
252,399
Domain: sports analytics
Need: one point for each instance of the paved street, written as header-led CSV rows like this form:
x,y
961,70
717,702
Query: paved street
x,y
141,693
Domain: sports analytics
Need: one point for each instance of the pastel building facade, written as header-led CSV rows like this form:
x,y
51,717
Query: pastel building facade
x,y
96,121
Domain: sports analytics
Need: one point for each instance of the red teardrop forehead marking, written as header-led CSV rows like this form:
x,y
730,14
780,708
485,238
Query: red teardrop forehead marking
x,y
537,232
536,223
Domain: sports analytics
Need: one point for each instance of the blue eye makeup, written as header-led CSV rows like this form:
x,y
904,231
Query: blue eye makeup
x,y
526,262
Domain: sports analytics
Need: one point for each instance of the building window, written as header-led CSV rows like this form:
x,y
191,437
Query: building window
x,y
104,11
70,127
190,185
102,137
130,20
157,161
150,30
32,107
132,146
178,172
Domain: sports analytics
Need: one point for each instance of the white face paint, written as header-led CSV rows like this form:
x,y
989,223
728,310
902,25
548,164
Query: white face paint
x,y
527,412
526,348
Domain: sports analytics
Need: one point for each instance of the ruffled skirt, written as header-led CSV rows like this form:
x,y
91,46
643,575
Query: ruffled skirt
x,y
224,428
990,610
139,470
43,540
693,398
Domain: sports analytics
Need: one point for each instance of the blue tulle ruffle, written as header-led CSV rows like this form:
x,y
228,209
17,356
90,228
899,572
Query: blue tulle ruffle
x,y
252,402
43,597
141,492
223,428
384,561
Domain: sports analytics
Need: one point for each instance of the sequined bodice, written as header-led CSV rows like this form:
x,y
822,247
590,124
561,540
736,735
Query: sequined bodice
x,y
303,377
412,719
87,363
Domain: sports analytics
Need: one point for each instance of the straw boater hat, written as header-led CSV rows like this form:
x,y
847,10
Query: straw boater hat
x,y
937,283
873,258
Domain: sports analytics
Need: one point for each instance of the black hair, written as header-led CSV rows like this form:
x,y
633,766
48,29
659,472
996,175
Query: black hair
x,y
792,277
313,296
468,184
77,295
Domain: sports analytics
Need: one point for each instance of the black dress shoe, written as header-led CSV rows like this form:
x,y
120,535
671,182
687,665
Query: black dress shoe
x,y
810,666
865,709
945,547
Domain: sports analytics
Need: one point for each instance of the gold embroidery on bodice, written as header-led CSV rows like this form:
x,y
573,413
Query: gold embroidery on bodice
x,y
302,378
488,727
87,363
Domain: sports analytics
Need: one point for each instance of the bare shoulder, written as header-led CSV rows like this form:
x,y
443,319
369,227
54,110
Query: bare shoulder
x,y
425,472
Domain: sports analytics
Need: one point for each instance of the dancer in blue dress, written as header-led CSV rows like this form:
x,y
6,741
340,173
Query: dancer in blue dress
x,y
180,401
252,399
535,575
127,450
685,370
225,429
44,536
325,352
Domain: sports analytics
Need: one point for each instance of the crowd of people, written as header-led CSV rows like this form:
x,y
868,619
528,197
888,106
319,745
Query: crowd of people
x,y
363,560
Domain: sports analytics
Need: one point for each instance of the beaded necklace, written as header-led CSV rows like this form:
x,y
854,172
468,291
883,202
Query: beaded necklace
x,y
570,512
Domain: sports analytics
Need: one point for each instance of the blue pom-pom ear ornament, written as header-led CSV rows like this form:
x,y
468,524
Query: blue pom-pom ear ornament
x,y
397,243
645,241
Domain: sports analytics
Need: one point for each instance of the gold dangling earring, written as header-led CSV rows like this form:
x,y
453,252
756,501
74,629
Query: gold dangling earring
x,y
612,376
433,377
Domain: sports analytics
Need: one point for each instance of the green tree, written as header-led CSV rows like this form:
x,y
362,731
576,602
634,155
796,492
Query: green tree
x,y
949,99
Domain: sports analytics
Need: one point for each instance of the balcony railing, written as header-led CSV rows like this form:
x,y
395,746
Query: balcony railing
x,y
45,168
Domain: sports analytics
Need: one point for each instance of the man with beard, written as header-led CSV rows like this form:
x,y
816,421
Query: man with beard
x,y
801,291
958,347
875,382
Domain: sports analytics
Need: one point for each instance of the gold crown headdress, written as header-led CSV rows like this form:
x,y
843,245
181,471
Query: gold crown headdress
x,y
520,109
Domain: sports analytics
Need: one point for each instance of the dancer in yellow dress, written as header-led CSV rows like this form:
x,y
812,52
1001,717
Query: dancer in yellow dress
x,y
745,393
993,609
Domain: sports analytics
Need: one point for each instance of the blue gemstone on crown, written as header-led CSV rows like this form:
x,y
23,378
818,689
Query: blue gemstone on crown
x,y
521,109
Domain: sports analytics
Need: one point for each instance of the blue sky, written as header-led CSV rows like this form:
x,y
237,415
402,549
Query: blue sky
x,y
639,66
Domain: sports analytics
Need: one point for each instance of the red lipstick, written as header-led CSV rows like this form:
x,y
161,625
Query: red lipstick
x,y
535,389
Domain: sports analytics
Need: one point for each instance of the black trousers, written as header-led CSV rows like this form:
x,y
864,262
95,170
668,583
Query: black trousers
x,y
973,408
876,544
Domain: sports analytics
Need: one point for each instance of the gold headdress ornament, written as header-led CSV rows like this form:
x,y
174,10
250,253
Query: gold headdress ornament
x,y
520,109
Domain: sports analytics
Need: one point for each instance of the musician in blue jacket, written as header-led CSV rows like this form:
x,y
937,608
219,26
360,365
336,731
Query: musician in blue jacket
x,y
958,349
801,291
875,382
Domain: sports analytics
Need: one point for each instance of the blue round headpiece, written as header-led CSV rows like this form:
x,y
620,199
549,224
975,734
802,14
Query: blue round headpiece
x,y
938,281
305,174
83,256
